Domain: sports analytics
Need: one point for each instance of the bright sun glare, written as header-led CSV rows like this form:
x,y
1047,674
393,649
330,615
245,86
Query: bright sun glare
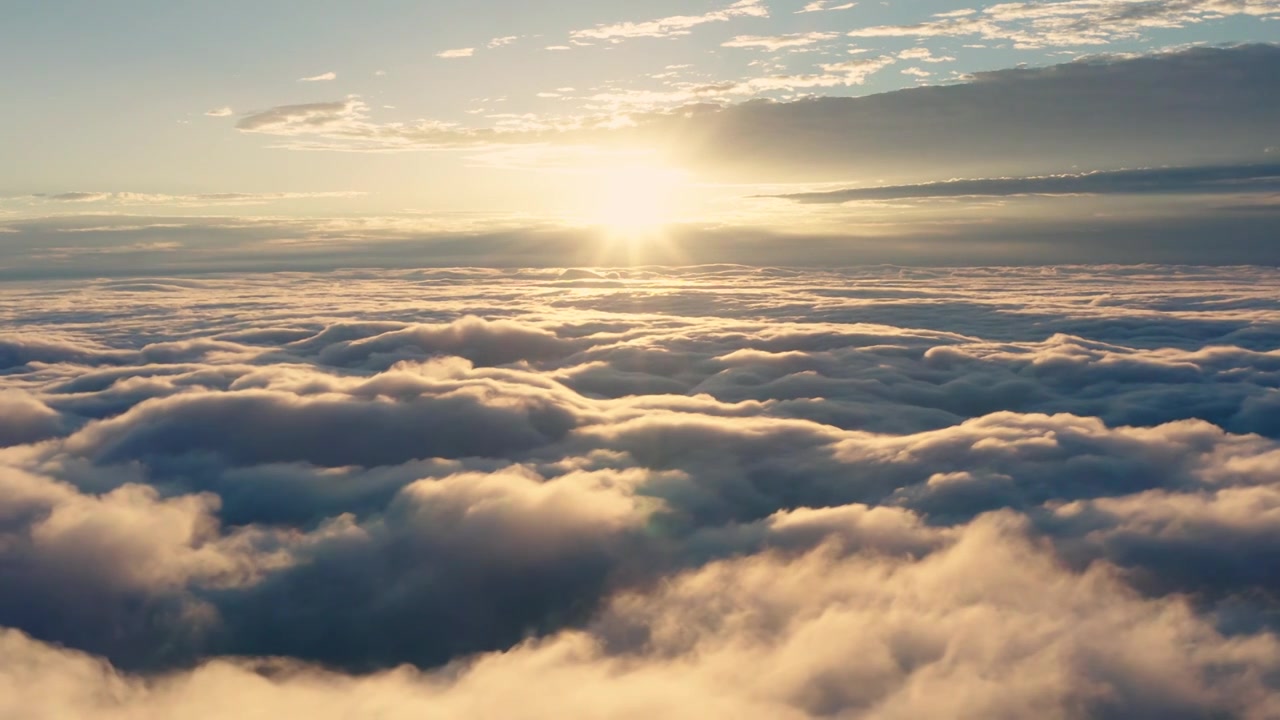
x,y
635,200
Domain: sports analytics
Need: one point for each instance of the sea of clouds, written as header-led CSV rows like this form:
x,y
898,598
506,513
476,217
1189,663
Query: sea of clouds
x,y
715,492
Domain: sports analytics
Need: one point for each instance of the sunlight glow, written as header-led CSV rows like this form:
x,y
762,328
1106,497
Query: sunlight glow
x,y
635,201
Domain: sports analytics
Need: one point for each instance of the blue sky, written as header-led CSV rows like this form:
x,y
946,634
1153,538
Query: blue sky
x,y
523,112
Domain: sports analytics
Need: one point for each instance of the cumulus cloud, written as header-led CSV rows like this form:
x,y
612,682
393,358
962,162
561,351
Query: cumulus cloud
x,y
872,635
114,571
24,419
483,343
628,490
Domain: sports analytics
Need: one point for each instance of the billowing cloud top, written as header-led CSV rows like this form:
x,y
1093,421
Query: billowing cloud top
x,y
536,493
776,359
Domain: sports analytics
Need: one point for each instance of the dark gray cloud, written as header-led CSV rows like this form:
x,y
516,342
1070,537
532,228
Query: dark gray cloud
x,y
1222,179
1189,107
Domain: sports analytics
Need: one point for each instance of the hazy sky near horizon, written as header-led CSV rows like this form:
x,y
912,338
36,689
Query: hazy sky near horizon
x,y
139,124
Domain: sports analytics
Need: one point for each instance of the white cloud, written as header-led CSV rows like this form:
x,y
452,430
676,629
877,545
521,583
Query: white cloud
x,y
825,6
868,635
905,491
773,43
322,77
1074,22
923,54
220,112
849,73
456,53
673,25
501,41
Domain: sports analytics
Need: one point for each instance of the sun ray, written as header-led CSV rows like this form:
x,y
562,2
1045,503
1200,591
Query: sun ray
x,y
633,206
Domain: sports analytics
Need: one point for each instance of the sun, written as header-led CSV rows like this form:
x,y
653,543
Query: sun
x,y
634,201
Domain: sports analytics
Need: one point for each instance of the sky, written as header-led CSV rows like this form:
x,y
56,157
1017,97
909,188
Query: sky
x,y
705,360
232,134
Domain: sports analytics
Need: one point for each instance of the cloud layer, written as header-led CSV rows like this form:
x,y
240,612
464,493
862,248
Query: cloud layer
x,y
906,493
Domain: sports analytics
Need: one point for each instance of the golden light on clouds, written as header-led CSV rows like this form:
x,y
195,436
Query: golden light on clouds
x,y
742,359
